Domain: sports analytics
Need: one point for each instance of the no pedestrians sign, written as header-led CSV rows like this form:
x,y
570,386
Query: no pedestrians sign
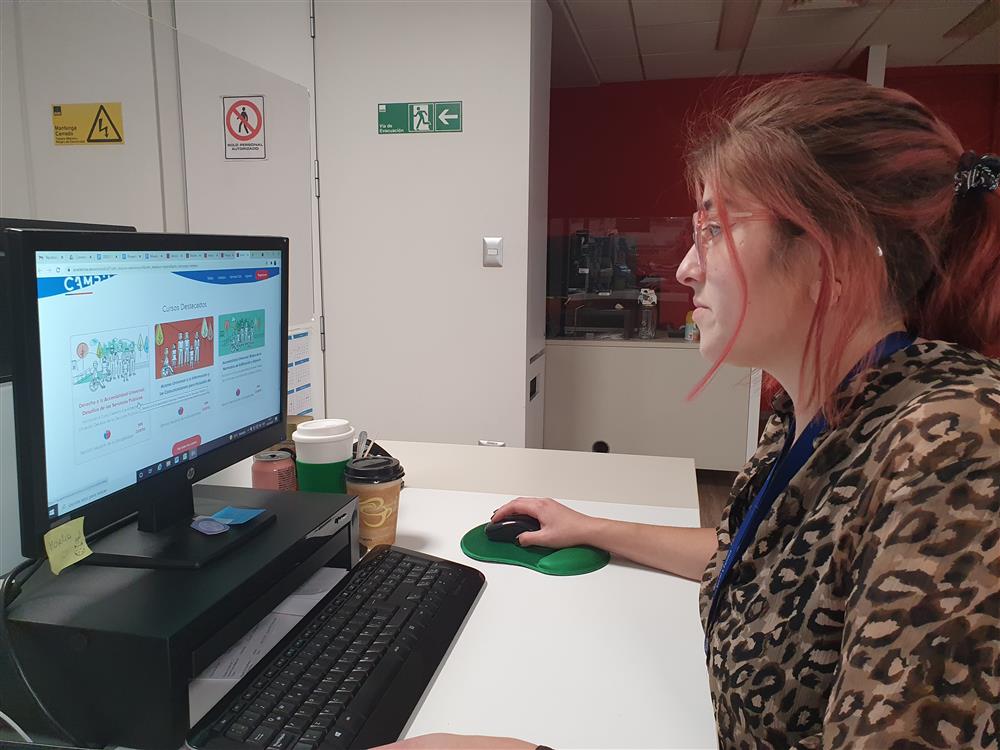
x,y
243,126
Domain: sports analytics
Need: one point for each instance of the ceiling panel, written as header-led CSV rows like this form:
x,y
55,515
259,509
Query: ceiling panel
x,y
700,65
920,51
912,21
771,8
827,27
657,12
797,59
615,69
924,5
609,42
600,14
678,38
983,49
908,54
570,66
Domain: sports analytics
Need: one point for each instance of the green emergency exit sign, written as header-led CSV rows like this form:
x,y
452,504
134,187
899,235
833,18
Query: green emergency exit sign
x,y
420,117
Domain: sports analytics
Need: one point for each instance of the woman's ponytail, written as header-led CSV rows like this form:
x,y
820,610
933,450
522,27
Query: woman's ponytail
x,y
961,300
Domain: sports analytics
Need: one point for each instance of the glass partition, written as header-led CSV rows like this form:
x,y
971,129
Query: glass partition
x,y
112,116
615,278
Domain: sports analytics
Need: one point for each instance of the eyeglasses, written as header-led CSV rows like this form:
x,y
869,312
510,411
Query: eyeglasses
x,y
706,228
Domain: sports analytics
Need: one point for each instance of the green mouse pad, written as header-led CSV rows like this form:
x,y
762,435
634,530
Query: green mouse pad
x,y
571,561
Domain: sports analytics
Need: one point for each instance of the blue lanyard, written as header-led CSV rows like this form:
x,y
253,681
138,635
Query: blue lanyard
x,y
786,467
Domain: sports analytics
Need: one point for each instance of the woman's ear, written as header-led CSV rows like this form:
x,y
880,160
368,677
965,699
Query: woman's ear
x,y
815,271
835,292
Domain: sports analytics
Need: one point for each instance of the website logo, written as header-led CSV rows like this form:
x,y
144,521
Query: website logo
x,y
76,283
51,286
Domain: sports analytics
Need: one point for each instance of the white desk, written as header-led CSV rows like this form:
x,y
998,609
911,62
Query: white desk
x,y
612,659
604,477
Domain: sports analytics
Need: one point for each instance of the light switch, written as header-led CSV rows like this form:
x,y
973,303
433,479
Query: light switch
x,y
492,252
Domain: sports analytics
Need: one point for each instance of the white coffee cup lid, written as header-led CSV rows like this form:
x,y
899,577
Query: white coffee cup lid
x,y
323,430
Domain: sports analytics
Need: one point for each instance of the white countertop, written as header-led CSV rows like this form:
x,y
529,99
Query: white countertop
x,y
663,342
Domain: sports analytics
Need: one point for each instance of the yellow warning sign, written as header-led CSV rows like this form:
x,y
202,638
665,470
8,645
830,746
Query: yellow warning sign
x,y
87,124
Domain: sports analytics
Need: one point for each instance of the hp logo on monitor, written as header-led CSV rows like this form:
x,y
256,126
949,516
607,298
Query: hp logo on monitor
x,y
190,474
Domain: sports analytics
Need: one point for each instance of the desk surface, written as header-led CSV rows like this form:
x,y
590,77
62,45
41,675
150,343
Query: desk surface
x,y
612,659
604,477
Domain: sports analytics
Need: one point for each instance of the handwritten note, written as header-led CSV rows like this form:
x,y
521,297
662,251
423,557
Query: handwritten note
x,y
65,545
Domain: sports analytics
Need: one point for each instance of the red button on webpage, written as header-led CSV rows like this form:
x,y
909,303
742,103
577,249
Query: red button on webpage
x,y
261,275
186,445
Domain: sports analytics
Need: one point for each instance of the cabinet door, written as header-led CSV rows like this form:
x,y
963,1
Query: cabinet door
x,y
633,398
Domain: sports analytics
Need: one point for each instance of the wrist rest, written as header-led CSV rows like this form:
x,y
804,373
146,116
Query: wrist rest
x,y
569,561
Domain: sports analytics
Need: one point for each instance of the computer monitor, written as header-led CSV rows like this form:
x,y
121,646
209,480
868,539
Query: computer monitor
x,y
142,364
5,314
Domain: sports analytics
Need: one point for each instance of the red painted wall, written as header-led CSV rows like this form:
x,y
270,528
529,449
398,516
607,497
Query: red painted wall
x,y
616,150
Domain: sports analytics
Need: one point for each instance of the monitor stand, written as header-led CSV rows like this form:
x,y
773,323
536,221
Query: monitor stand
x,y
162,536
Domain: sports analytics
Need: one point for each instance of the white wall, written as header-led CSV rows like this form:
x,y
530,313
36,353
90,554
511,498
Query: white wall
x,y
89,52
538,203
16,190
423,342
10,531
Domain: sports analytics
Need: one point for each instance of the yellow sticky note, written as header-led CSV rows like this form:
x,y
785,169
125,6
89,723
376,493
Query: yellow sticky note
x,y
65,545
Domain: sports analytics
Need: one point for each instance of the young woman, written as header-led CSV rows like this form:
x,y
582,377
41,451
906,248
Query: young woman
x,y
846,244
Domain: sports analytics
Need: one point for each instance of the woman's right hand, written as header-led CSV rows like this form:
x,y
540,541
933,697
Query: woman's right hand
x,y
560,526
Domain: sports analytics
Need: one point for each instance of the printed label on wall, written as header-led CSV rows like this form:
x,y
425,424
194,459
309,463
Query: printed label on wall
x,y
420,117
93,124
243,126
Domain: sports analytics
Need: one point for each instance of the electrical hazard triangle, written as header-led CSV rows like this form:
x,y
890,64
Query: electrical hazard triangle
x,y
104,129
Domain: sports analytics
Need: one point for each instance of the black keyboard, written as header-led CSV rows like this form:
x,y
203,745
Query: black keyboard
x,y
351,671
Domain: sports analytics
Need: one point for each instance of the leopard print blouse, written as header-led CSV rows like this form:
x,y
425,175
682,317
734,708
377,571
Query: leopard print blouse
x,y
866,611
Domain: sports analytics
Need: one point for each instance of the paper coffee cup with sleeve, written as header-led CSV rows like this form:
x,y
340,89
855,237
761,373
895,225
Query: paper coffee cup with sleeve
x,y
376,481
322,450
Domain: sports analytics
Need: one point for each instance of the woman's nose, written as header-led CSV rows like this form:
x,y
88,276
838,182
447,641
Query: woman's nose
x,y
690,272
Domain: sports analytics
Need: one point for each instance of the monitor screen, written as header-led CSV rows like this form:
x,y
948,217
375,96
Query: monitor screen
x,y
5,313
150,360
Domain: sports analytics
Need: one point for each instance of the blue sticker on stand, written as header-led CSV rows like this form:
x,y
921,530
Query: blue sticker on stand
x,y
208,526
235,516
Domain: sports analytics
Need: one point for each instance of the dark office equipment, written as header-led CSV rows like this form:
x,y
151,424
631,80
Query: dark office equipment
x,y
510,528
110,651
6,315
606,313
107,650
584,272
162,499
580,263
352,671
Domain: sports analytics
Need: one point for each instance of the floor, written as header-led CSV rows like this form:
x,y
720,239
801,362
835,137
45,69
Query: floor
x,y
713,494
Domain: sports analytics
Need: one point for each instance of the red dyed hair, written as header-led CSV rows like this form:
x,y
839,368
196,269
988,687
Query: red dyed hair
x,y
854,167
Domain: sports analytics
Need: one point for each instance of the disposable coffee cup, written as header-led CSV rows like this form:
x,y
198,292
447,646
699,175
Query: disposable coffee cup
x,y
376,481
322,449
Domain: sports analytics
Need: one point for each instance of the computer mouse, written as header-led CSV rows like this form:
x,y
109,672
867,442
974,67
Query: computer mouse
x,y
508,529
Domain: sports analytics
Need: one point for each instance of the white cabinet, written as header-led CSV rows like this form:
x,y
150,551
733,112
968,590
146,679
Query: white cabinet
x,y
631,395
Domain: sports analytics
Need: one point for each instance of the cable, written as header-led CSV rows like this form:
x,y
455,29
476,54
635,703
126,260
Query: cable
x,y
13,725
10,585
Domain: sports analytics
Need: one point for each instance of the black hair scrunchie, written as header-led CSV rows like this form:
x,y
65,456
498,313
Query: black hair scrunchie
x,y
977,173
